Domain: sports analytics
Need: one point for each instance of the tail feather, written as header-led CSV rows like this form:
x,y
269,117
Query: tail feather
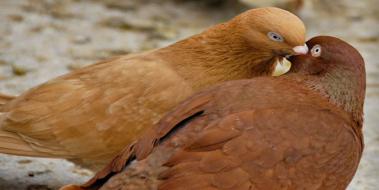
x,y
17,144
11,143
4,99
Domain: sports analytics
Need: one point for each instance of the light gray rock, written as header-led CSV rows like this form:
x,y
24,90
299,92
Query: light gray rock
x,y
47,38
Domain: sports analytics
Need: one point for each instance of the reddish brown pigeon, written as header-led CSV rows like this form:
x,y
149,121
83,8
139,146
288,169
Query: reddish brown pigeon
x,y
90,114
299,131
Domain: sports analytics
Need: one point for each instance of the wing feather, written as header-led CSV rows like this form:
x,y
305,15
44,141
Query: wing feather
x,y
269,154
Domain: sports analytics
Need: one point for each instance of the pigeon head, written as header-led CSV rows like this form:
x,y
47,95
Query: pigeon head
x,y
273,31
337,69
247,46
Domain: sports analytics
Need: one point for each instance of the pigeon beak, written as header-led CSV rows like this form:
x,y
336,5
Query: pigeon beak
x,y
300,50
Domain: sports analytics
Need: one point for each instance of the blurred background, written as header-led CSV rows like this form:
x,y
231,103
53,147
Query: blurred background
x,y
41,39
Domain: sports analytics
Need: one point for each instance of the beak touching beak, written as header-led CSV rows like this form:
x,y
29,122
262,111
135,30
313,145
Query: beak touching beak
x,y
300,50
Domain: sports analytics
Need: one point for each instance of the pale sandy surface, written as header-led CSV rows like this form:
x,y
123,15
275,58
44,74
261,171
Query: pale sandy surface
x,y
41,39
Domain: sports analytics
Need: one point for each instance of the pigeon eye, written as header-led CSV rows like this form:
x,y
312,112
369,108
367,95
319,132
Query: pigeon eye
x,y
275,37
316,51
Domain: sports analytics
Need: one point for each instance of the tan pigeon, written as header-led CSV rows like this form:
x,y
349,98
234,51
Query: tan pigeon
x,y
90,114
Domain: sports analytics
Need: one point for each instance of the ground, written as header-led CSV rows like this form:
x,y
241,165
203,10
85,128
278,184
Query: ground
x,y
41,39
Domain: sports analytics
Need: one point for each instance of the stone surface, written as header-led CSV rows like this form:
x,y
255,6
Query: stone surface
x,y
41,39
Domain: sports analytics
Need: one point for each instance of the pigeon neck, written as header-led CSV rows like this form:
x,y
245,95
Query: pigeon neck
x,y
217,55
342,93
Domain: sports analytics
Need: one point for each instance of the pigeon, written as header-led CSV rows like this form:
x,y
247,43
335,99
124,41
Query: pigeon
x,y
299,131
88,115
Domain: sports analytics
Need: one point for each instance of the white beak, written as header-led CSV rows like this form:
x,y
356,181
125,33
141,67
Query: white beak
x,y
301,50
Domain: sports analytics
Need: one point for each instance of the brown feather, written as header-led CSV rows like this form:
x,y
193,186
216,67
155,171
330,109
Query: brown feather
x,y
287,135
90,114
